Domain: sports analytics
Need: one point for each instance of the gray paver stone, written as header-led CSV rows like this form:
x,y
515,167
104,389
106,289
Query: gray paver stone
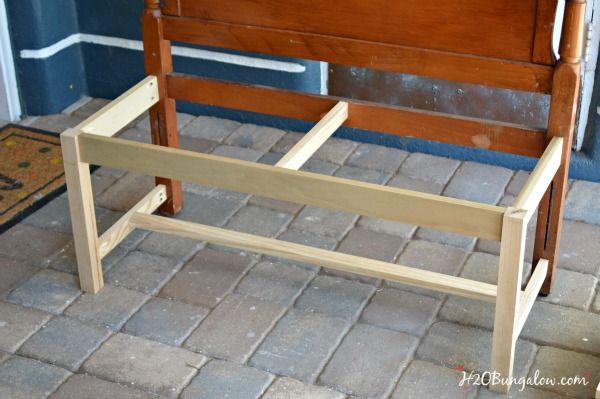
x,y
64,342
369,361
300,345
235,328
207,278
47,290
148,365
220,379
166,321
22,378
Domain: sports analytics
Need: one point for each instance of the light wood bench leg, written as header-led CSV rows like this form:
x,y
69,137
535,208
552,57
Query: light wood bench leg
x,y
83,218
506,324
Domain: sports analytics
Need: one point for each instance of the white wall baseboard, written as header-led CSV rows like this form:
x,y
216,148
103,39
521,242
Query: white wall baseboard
x,y
233,59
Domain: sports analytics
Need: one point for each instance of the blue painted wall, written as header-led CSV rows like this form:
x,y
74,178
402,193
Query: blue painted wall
x,y
46,85
49,85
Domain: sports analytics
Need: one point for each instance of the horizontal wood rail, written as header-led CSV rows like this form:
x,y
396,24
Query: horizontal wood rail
x,y
389,57
120,112
313,140
426,125
529,295
319,257
531,194
443,213
509,24
122,227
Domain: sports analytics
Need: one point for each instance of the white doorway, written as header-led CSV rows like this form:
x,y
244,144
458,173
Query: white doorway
x,y
10,106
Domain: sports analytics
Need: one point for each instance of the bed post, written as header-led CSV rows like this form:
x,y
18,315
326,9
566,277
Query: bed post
x,y
561,123
163,117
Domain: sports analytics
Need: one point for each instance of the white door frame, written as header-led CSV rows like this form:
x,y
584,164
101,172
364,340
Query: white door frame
x,y
10,105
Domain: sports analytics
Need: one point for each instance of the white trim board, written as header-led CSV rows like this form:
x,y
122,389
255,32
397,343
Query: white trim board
x,y
241,60
324,66
10,104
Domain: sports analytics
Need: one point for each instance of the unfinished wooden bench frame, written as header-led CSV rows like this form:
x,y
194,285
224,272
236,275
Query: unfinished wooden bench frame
x,y
210,22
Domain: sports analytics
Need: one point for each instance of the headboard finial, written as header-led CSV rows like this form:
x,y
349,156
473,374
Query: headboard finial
x,y
152,4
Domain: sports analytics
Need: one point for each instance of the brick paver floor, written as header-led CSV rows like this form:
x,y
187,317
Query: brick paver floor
x,y
184,319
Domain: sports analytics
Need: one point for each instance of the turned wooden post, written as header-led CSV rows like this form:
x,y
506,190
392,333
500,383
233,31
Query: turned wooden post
x,y
163,117
561,123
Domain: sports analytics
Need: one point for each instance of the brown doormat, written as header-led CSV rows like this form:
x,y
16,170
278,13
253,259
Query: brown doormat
x,y
31,172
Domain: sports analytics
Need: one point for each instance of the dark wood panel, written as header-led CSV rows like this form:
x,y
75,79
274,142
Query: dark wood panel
x,y
456,98
171,7
400,121
435,64
544,28
502,29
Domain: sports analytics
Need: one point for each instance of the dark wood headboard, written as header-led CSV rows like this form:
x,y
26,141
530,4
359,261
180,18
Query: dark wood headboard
x,y
505,44
499,43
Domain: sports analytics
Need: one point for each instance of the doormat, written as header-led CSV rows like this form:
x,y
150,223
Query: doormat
x,y
31,172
